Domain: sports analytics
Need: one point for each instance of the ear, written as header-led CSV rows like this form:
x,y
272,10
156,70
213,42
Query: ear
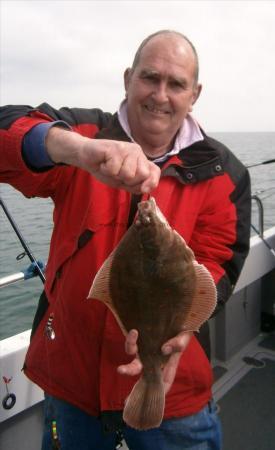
x,y
196,94
127,76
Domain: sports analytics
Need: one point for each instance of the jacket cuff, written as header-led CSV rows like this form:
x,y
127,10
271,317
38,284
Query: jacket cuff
x,y
34,150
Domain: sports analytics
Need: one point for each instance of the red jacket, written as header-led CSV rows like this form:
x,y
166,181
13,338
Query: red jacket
x,y
204,192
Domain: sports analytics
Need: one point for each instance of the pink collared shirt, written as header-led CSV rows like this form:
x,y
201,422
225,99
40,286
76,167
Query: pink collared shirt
x,y
188,134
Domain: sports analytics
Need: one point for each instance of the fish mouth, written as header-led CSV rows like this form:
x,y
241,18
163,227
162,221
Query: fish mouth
x,y
147,205
146,209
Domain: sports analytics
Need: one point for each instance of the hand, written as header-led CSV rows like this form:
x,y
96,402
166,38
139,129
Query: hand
x,y
115,163
121,164
174,347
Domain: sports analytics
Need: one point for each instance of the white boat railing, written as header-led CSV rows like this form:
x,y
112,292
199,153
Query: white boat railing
x,y
260,206
27,274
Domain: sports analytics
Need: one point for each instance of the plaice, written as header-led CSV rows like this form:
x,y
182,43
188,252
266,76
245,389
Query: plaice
x,y
152,283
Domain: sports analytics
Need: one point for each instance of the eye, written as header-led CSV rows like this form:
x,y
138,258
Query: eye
x,y
178,85
150,77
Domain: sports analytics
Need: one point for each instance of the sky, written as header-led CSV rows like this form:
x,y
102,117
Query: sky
x,y
74,53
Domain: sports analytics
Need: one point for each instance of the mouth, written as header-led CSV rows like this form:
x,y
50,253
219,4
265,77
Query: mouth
x,y
145,210
148,211
157,111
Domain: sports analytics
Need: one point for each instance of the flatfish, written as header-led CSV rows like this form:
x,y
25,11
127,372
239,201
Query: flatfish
x,y
152,283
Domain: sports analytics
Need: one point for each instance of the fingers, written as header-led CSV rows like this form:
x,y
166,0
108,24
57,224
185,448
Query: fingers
x,y
130,166
152,180
177,344
131,342
130,169
133,368
121,164
174,347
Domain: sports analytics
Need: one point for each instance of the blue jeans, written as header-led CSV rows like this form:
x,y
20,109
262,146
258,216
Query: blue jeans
x,y
69,428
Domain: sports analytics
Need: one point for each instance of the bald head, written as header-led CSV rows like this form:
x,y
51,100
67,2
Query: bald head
x,y
172,35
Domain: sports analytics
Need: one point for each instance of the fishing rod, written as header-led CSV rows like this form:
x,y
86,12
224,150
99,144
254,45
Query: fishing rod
x,y
24,244
268,161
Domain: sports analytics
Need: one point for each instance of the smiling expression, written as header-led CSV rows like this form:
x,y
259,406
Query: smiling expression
x,y
161,90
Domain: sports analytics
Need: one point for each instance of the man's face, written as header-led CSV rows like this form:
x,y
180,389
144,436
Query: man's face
x,y
161,90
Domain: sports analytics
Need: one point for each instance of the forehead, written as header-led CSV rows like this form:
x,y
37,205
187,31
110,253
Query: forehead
x,y
168,53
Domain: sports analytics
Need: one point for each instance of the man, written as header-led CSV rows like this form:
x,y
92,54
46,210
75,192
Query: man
x,y
96,167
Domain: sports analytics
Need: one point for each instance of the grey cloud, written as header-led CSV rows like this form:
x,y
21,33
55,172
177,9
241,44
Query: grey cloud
x,y
74,53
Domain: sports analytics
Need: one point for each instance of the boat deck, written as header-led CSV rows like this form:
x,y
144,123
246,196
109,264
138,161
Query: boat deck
x,y
245,395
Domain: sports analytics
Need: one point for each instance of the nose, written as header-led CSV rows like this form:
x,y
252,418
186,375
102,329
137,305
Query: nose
x,y
160,93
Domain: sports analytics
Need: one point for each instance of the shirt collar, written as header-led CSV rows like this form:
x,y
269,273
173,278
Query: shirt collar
x,y
188,134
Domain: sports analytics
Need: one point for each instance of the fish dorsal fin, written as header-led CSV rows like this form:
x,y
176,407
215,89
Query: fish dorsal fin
x,y
100,288
204,301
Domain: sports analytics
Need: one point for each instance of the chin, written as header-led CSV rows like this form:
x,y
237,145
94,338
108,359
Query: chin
x,y
156,123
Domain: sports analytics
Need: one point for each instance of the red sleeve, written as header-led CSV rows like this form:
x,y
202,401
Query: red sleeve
x,y
15,122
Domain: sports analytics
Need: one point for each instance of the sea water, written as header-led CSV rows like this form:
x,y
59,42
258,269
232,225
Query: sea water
x,y
34,219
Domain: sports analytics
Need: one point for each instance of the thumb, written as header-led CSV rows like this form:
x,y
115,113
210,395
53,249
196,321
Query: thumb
x,y
178,343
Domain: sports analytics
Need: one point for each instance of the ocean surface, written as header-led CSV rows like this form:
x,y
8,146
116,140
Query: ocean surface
x,y
34,219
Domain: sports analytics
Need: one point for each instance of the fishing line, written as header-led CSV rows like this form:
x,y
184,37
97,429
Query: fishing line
x,y
268,161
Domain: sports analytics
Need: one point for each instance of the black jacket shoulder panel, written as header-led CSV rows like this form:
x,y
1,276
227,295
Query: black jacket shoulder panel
x,y
76,116
73,116
10,113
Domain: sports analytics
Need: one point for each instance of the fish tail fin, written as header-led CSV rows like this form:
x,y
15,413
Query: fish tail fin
x,y
144,407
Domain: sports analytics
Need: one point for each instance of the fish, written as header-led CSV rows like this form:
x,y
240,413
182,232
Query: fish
x,y
152,283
